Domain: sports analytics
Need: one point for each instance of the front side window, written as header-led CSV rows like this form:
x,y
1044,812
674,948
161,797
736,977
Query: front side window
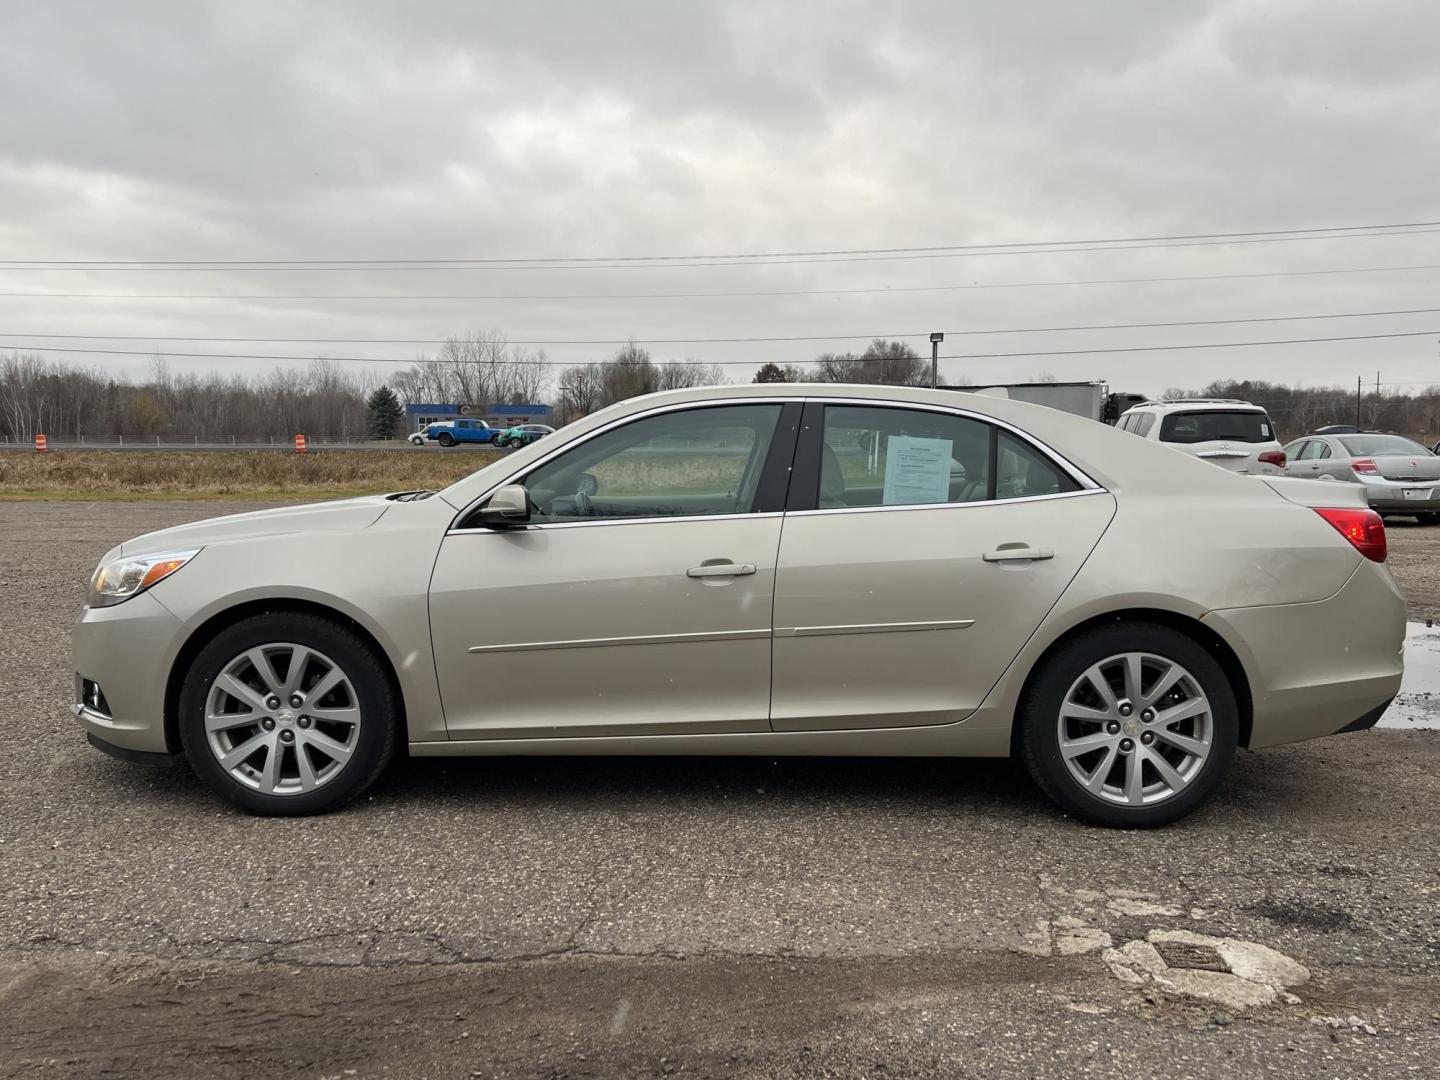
x,y
703,461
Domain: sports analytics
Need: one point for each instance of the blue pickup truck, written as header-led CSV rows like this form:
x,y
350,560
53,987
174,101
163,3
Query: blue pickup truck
x,y
452,432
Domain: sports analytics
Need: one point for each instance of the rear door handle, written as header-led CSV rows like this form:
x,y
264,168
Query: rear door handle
x,y
1018,553
720,569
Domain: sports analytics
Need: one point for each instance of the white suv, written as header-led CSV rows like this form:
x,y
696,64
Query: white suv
x,y
1235,435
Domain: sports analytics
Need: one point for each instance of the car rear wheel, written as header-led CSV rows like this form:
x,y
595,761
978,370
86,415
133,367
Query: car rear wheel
x,y
445,439
1132,725
288,714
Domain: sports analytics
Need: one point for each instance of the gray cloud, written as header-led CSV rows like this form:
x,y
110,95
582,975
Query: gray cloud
x,y
429,128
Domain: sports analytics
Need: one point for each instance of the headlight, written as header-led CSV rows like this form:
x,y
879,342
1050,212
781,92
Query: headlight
x,y
118,580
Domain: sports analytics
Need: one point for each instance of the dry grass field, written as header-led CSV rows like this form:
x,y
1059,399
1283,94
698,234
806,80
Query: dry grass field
x,y
260,475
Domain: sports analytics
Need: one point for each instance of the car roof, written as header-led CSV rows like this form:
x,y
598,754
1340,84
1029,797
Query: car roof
x,y
1199,405
1115,459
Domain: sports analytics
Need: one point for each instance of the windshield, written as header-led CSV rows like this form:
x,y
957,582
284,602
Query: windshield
x,y
1232,425
1373,445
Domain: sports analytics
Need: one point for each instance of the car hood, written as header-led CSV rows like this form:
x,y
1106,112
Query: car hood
x,y
343,515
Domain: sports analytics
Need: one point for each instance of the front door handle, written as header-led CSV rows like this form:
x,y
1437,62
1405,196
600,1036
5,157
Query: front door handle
x,y
1017,553
717,568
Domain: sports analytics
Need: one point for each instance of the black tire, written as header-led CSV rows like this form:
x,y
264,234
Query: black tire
x,y
1428,519
376,697
445,439
1039,714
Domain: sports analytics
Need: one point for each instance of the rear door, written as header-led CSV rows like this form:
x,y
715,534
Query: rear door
x,y
922,547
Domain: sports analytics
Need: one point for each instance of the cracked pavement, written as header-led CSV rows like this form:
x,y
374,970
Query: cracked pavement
x,y
719,917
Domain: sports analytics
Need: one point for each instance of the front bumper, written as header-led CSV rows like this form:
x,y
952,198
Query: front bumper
x,y
1314,668
128,650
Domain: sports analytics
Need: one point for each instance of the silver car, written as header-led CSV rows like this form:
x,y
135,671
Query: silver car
x,y
836,570
1398,475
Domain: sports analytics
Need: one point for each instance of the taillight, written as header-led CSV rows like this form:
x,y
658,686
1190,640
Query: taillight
x,y
1363,528
1273,457
1365,465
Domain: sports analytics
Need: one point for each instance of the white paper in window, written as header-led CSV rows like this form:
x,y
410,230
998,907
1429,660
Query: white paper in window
x,y
916,470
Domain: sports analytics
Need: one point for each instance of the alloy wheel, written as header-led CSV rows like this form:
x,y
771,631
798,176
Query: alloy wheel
x,y
282,719
1135,729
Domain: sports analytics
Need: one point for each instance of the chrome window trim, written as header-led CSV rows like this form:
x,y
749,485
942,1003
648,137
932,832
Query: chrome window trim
x,y
947,506
1088,486
619,521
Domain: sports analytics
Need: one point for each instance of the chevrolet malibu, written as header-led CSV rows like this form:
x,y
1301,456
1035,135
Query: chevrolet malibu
x,y
832,570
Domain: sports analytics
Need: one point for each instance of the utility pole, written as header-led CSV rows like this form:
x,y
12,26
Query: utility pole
x,y
935,340
1357,401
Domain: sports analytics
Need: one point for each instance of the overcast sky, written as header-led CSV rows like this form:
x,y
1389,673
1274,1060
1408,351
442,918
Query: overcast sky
x,y
425,129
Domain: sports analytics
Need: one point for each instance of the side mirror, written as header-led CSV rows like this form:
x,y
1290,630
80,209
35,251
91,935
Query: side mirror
x,y
508,508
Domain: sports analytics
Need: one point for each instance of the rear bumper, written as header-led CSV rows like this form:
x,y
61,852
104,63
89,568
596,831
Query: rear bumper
x,y
1314,668
1390,497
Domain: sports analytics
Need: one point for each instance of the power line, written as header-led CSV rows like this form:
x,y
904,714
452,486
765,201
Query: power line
x,y
714,295
477,265
730,363
1391,229
742,340
1177,348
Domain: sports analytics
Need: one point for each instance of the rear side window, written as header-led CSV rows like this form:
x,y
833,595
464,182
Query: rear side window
x,y
873,456
877,456
1143,423
1237,425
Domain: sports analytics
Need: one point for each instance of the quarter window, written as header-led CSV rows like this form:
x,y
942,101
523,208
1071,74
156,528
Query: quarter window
x,y
690,463
1023,472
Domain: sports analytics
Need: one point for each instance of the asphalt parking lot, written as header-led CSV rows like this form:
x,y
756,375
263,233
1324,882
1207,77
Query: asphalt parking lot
x,y
719,917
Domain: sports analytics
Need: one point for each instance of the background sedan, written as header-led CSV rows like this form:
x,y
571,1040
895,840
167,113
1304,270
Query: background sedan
x,y
1398,475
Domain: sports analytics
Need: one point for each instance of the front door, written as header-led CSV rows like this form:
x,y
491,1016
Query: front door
x,y
923,549
638,599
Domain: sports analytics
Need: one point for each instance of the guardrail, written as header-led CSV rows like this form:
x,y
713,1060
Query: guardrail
x,y
208,442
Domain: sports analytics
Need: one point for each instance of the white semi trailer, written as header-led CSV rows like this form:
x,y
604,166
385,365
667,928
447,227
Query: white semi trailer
x,y
1093,399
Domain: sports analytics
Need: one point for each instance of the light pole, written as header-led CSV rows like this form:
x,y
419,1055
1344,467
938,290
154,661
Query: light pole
x,y
935,340
565,402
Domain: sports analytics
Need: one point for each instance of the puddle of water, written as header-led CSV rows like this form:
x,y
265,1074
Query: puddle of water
x,y
1417,705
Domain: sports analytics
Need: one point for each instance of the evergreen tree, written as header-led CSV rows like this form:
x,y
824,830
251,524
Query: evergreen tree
x,y
769,373
383,413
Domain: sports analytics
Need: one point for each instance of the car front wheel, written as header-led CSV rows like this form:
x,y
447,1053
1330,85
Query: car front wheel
x,y
288,713
1131,725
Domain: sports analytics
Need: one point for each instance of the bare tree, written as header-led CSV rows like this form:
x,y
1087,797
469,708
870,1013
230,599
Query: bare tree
x,y
891,362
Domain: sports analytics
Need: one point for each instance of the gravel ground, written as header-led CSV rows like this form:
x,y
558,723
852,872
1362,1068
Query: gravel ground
x,y
716,917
